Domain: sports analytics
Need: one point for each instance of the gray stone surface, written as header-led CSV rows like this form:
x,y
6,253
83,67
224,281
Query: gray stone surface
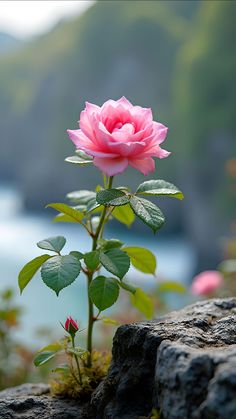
x,y
33,401
183,364
196,383
196,374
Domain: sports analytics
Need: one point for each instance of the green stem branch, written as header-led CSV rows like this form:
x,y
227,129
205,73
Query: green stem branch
x,y
91,318
76,359
90,323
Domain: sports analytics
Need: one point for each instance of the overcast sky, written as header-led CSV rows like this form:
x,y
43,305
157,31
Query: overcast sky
x,y
26,18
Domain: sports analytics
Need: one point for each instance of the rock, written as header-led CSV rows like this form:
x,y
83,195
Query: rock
x,y
195,383
182,364
30,401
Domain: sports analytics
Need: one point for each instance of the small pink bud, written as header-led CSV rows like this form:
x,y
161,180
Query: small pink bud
x,y
71,326
206,282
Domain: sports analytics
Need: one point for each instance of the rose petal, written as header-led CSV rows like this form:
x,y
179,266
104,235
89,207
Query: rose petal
x,y
124,134
156,151
160,132
161,153
91,108
125,102
144,166
79,139
141,117
83,143
111,167
127,149
85,124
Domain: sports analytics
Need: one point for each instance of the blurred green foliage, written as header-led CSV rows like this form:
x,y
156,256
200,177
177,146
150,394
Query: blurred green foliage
x,y
16,359
204,97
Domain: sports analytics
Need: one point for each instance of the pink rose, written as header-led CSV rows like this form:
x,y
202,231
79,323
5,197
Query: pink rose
x,y
118,134
71,326
206,282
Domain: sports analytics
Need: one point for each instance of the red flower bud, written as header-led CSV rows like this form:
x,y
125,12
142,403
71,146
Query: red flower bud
x,y
71,326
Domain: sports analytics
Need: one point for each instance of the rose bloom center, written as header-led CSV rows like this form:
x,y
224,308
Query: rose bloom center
x,y
128,126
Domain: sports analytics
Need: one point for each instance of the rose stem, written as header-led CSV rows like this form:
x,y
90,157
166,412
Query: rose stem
x,y
76,358
91,318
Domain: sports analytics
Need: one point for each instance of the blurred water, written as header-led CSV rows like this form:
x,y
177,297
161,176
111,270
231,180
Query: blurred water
x,y
19,233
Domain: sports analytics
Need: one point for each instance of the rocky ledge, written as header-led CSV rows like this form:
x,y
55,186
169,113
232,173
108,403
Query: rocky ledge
x,y
182,364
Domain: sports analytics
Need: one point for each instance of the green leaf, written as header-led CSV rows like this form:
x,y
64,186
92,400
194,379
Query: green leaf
x,y
77,255
112,197
60,271
171,286
78,160
143,303
228,266
159,187
93,205
98,188
7,294
110,244
124,188
63,369
71,214
81,197
107,320
83,155
148,212
124,215
43,357
92,259
78,351
103,292
29,270
61,218
142,259
115,261
55,244
127,287
52,347
81,208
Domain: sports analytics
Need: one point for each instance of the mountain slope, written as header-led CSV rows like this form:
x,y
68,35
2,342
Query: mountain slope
x,y
205,92
8,43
